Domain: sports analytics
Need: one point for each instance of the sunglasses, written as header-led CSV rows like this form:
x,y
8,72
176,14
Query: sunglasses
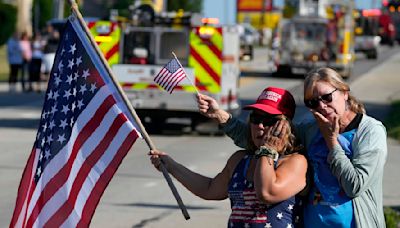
x,y
266,120
314,103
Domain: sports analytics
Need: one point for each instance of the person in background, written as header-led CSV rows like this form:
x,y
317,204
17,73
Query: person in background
x,y
15,60
26,48
51,39
36,63
346,150
262,182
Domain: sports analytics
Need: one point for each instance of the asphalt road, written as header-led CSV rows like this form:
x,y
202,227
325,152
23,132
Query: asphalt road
x,y
138,195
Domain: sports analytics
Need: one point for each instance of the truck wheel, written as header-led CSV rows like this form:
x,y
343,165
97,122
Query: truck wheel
x,y
155,125
346,74
372,54
284,71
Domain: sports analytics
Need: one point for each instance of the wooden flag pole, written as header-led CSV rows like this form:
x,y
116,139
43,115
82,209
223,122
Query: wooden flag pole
x,y
197,91
143,131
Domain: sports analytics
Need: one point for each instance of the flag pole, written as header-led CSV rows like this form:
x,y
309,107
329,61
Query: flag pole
x,y
146,137
197,91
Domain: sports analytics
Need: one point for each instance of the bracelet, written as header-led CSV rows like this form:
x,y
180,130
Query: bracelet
x,y
268,152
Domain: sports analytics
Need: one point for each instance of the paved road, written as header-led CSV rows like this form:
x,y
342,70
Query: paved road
x,y
138,196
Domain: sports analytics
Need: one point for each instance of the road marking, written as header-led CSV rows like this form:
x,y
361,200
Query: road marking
x,y
150,184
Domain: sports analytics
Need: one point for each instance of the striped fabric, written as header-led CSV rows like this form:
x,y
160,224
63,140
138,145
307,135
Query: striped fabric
x,y
170,75
84,133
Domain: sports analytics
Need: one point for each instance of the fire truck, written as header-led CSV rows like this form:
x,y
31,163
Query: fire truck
x,y
138,50
320,35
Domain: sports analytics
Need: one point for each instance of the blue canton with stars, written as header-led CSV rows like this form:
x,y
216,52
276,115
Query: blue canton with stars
x,y
73,82
172,66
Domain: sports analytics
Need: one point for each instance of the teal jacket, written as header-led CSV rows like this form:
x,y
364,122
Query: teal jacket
x,y
360,177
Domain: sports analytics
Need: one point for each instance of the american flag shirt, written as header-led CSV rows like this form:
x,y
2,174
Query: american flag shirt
x,y
248,211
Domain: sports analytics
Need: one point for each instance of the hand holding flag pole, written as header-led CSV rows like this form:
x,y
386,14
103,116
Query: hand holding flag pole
x,y
149,142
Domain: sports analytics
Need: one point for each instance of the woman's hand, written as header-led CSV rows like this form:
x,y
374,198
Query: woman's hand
x,y
209,107
274,136
156,156
329,130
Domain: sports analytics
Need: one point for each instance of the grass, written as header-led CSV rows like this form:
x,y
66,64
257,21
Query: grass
x,y
392,217
4,68
392,122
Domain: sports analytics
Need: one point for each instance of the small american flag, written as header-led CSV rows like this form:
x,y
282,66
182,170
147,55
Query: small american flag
x,y
84,133
170,75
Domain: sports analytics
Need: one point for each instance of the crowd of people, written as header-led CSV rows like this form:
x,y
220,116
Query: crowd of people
x,y
323,172
30,59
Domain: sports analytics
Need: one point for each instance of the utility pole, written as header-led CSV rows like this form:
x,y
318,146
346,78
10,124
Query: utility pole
x,y
58,9
24,22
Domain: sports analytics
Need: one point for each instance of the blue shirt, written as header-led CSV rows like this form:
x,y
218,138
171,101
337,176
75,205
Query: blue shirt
x,y
14,52
328,205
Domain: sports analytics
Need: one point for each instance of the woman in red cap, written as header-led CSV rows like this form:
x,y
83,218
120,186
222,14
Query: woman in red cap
x,y
262,181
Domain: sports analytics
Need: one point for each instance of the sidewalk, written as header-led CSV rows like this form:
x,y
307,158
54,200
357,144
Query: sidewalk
x,y
377,89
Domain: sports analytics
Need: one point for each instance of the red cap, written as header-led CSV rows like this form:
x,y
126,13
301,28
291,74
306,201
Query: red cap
x,y
275,101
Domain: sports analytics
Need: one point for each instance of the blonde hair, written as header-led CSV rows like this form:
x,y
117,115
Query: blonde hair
x,y
330,76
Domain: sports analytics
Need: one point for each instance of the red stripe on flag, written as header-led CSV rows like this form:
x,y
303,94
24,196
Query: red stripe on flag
x,y
63,212
24,187
164,79
175,80
104,179
59,179
205,65
160,75
176,83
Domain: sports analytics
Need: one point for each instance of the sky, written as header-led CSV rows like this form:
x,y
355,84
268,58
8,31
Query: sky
x,y
225,10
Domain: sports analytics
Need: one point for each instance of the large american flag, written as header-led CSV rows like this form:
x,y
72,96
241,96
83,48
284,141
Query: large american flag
x,y
170,75
85,131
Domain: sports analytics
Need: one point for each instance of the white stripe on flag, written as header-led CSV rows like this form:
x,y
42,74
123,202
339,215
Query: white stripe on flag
x,y
61,158
21,216
91,143
175,77
95,173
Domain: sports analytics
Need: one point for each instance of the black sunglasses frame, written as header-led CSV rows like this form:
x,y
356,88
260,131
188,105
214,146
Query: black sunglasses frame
x,y
314,102
266,120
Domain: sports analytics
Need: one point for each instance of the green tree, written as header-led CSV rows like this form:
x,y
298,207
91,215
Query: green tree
x,y
8,19
123,7
186,5
44,9
291,8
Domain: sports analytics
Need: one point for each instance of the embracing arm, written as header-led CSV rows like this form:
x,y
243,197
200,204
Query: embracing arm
x,y
273,186
207,188
237,130
366,167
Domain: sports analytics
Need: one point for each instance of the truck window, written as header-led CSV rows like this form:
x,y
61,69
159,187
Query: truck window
x,y
174,41
137,46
